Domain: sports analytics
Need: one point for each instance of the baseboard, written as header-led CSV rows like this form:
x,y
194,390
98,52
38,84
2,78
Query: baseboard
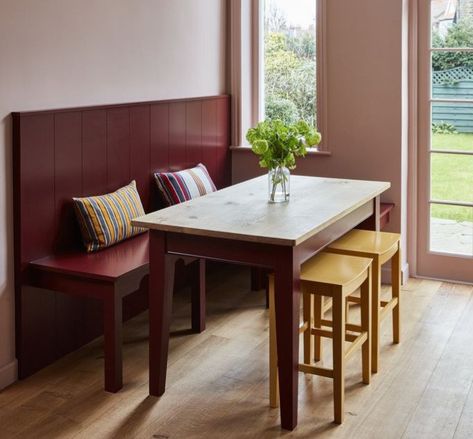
x,y
8,374
386,274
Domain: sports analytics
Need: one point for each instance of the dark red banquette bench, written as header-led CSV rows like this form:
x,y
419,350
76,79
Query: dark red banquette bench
x,y
60,154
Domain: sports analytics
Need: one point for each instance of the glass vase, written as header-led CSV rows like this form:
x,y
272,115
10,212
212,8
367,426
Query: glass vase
x,y
278,184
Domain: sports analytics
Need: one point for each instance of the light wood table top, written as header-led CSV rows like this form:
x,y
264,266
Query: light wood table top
x,y
242,211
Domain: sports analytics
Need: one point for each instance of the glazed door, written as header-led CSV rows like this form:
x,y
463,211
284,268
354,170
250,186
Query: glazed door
x,y
445,155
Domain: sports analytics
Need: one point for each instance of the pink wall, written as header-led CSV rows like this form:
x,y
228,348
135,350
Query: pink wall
x,y
366,116
60,53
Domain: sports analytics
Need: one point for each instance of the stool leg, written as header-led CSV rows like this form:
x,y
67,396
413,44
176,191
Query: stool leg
x,y
273,352
396,292
376,288
113,342
338,318
366,327
308,313
318,311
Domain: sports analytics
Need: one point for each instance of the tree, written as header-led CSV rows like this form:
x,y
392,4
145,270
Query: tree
x,y
459,35
290,76
302,44
275,21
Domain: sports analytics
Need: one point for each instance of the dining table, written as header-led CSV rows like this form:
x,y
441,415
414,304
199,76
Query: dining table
x,y
238,225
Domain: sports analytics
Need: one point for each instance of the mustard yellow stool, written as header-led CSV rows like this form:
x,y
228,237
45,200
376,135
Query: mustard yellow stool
x,y
380,247
336,277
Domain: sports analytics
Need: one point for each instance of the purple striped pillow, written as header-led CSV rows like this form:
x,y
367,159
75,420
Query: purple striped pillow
x,y
177,187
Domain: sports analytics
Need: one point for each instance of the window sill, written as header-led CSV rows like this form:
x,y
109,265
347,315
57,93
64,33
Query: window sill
x,y
310,151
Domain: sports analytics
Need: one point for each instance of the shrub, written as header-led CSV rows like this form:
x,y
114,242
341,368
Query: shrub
x,y
443,128
282,109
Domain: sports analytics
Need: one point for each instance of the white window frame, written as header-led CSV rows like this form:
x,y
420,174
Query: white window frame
x,y
321,65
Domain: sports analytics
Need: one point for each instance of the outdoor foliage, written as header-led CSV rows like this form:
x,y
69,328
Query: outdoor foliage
x,y
459,35
289,71
443,128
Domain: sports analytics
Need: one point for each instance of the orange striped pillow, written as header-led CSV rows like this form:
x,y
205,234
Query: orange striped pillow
x,y
106,219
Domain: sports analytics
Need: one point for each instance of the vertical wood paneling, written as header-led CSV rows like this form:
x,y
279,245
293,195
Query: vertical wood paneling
x,y
68,184
67,177
36,308
209,138
194,132
92,319
94,152
140,151
177,136
37,346
37,169
159,120
118,148
159,154
222,154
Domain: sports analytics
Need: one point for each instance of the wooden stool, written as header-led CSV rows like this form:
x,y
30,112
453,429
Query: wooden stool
x,y
381,247
336,277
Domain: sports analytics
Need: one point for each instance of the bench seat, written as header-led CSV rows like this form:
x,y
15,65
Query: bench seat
x,y
109,275
385,214
127,257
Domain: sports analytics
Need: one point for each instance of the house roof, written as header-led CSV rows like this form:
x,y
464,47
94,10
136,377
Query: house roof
x,y
443,10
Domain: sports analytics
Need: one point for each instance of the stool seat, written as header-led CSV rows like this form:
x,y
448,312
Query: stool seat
x,y
333,269
366,242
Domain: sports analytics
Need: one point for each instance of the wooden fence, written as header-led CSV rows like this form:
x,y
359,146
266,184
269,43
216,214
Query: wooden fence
x,y
448,85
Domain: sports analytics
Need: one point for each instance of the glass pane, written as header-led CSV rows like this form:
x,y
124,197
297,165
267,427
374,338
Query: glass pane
x,y
452,125
452,75
452,177
289,60
452,24
451,229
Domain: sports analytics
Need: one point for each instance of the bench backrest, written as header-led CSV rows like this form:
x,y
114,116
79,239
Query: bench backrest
x,y
59,154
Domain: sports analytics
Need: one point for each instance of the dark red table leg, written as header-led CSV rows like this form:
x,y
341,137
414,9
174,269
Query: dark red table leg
x,y
112,320
287,295
161,282
198,295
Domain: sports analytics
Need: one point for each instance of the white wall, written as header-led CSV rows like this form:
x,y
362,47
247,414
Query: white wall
x,y
63,53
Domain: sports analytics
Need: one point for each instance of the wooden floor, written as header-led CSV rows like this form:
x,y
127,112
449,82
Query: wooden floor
x,y
218,380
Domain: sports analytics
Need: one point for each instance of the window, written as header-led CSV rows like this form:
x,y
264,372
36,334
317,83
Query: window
x,y
291,62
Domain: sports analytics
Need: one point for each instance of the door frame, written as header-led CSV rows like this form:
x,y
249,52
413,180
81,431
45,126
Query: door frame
x,y
427,263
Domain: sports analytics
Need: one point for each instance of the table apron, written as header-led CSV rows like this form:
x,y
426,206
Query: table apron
x,y
333,232
262,254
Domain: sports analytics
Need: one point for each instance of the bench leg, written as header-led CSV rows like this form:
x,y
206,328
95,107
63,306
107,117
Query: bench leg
x,y
113,342
259,281
198,295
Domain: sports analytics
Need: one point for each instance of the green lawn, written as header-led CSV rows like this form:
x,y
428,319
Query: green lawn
x,y
452,176
459,142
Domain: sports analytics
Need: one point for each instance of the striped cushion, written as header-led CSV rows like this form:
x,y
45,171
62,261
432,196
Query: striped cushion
x,y
180,186
106,219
